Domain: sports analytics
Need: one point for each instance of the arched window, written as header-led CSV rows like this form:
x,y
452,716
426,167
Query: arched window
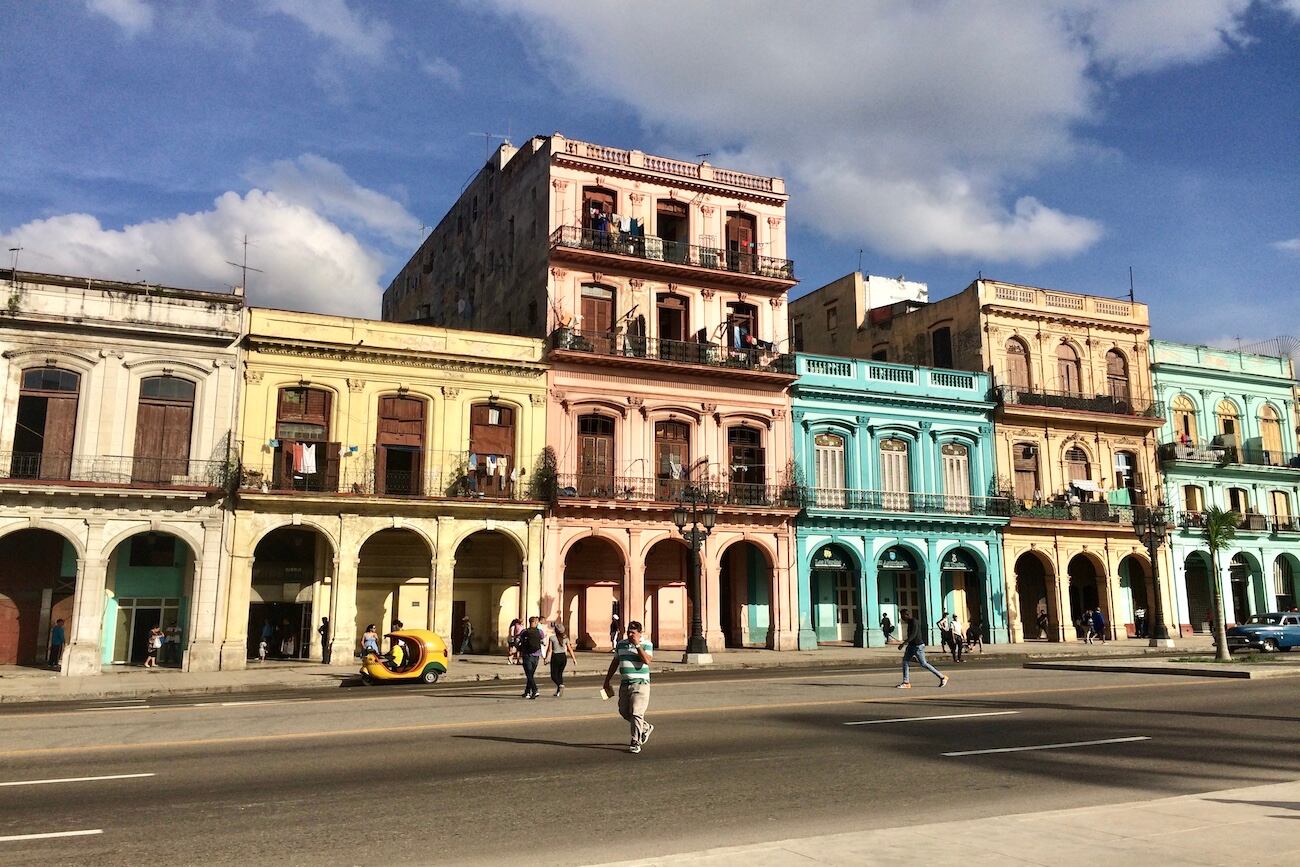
x,y
1117,376
1184,420
1229,419
1017,364
306,460
1068,372
164,421
828,463
956,476
1024,458
1193,499
941,347
1284,582
1270,436
895,475
595,455
598,205
45,425
1238,500
1078,467
1281,509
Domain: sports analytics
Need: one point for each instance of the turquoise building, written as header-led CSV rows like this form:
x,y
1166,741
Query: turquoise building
x,y
898,462
1229,441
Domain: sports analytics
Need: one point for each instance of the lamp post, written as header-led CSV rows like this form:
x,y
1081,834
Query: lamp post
x,y
1151,524
695,524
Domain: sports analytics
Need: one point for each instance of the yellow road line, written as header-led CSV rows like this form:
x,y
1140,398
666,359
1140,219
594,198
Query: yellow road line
x,y
495,723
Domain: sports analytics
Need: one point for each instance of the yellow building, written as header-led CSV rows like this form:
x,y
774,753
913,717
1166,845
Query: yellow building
x,y
386,475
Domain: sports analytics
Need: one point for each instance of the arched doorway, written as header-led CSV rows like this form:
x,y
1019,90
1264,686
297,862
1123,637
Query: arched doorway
x,y
1200,595
900,586
38,578
962,585
149,583
393,569
292,568
1133,580
1246,579
1284,582
745,594
837,611
486,587
1038,620
667,571
593,590
1085,591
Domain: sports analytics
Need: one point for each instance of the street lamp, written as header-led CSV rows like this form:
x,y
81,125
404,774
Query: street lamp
x,y
1151,524
695,524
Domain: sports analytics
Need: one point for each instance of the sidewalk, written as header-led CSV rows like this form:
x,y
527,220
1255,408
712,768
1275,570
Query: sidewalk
x,y
1248,825
20,684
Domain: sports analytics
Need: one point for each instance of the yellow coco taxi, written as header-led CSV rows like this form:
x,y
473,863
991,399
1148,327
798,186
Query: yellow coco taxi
x,y
423,658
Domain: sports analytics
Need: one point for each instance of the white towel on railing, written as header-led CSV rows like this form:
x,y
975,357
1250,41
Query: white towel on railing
x,y
308,459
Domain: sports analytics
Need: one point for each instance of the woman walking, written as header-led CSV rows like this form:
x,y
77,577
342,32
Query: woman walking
x,y
559,649
512,641
155,644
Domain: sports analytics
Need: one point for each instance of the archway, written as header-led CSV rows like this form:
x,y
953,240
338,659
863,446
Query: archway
x,y
900,586
1284,582
1200,595
837,611
292,572
38,578
1086,592
745,596
1247,581
963,585
486,587
593,590
1038,616
667,571
1134,580
393,570
149,583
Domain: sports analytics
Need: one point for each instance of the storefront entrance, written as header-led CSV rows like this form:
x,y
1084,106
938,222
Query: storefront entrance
x,y
836,609
284,626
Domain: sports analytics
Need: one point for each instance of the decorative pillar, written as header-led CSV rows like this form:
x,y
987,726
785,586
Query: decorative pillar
x,y
202,651
783,607
934,601
82,655
343,601
807,638
234,643
997,595
634,581
869,593
441,574
713,605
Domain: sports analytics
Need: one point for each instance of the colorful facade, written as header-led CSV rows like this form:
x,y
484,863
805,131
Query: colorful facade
x,y
1229,441
115,463
898,462
387,475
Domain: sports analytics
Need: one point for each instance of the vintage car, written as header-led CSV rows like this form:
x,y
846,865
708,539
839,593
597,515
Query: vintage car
x,y
1278,630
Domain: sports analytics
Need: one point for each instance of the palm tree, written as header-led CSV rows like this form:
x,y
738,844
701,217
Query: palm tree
x,y
1220,529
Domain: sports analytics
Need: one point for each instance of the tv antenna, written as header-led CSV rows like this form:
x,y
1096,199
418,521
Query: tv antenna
x,y
487,141
13,269
244,267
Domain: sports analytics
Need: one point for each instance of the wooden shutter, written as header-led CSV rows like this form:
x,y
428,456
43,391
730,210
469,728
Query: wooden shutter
x,y
149,421
60,430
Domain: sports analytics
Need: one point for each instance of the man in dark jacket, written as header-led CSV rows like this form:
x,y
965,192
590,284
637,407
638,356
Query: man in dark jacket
x,y
914,649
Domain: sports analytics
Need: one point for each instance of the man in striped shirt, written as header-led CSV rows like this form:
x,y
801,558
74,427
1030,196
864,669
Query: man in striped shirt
x,y
632,657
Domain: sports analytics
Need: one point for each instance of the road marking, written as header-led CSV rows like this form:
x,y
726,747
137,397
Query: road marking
x,y
75,779
51,834
122,707
1049,746
903,719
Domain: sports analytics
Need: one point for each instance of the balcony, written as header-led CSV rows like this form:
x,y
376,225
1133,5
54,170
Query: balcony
x,y
1251,522
686,262
905,503
115,471
636,351
1014,397
1064,510
1227,454
574,487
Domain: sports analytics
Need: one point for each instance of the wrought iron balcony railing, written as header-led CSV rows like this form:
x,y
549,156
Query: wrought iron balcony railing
x,y
654,249
125,470
1010,395
619,344
640,489
1251,522
1228,454
854,500
1063,510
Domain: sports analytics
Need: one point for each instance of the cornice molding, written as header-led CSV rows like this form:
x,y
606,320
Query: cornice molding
x,y
521,369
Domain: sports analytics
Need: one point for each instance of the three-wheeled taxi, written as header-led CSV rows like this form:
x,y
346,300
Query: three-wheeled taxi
x,y
424,659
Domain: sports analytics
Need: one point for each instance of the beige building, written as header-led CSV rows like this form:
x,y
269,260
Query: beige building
x,y
115,466
1075,439
837,318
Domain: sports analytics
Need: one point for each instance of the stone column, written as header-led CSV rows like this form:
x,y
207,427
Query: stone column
x,y
82,655
714,607
441,578
234,644
202,651
934,604
784,629
634,580
533,588
869,593
343,601
807,637
997,596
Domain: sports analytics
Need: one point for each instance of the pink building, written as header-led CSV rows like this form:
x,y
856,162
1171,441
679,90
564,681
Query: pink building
x,y
661,287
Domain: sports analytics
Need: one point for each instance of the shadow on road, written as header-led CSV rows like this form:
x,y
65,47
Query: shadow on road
x,y
622,748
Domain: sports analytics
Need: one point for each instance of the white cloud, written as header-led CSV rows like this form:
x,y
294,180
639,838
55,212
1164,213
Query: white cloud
x,y
913,125
323,186
349,31
441,70
133,16
308,263
1289,246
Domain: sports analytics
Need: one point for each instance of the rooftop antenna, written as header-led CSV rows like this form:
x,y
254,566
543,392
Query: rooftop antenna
x,y
487,141
244,268
13,269
859,260
1130,284
702,157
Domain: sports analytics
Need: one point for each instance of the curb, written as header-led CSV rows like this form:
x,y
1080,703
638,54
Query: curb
x,y
1185,669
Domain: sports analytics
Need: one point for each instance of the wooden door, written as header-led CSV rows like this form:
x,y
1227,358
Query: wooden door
x,y
741,248
400,445
595,456
60,431
492,449
598,318
672,459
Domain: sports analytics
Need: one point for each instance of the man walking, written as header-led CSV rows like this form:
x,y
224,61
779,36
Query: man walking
x,y
466,633
57,639
632,657
324,631
914,649
530,652
1099,624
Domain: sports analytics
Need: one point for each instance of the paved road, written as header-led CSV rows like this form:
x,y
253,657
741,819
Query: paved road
x,y
475,775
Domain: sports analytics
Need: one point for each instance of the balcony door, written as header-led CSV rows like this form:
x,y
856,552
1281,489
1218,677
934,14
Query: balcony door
x,y
673,323
956,477
895,475
1117,377
1270,436
828,463
748,461
598,317
742,326
1068,372
742,247
1024,459
595,456
163,423
491,466
46,424
1078,466
672,228
1017,364
399,446
672,459
597,208
305,459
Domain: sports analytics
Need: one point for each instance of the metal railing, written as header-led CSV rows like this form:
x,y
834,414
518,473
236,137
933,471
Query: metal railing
x,y
654,249
623,345
1220,454
123,470
1011,395
1063,510
1251,522
851,499
642,489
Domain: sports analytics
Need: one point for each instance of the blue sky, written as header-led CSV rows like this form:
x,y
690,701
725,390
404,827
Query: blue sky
x,y
1053,143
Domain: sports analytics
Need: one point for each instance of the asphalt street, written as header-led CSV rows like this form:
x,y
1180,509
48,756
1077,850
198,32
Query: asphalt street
x,y
474,774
